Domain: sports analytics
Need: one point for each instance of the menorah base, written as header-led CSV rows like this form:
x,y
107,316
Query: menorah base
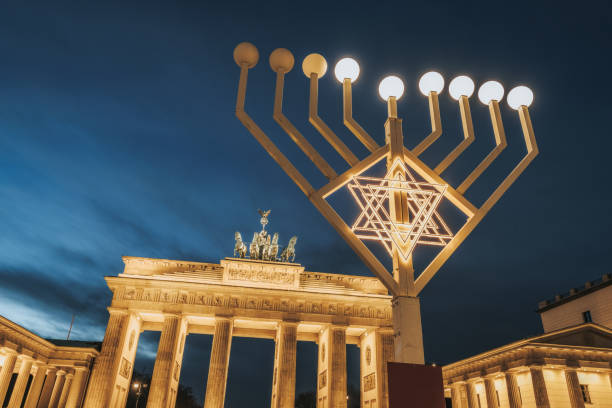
x,y
415,386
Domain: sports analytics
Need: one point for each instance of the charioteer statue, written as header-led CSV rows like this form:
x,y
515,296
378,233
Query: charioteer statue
x,y
263,247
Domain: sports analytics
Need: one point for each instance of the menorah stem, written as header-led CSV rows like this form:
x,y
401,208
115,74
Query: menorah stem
x,y
500,145
263,140
324,130
349,122
436,125
468,135
294,134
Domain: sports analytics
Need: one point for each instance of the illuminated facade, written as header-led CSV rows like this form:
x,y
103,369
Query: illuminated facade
x,y
246,298
568,366
40,373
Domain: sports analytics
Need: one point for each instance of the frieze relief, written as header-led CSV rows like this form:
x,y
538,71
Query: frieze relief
x,y
261,274
291,305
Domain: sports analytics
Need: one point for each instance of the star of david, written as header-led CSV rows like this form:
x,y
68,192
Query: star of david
x,y
421,224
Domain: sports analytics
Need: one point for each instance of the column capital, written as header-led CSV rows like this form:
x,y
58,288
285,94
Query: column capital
x,y
9,350
25,357
224,318
51,369
80,368
117,311
60,373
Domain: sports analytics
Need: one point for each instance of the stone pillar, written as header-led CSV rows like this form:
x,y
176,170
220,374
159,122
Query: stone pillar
x,y
36,385
472,396
376,349
21,382
65,390
219,362
57,389
331,389
166,372
6,373
456,395
539,387
112,370
45,395
573,386
75,396
283,382
491,392
514,397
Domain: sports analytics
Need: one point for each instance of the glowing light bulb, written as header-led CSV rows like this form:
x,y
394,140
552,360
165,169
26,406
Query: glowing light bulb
x,y
461,86
431,82
347,68
490,91
391,86
520,96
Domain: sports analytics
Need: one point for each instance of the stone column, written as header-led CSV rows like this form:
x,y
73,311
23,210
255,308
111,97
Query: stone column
x,y
472,396
77,388
65,390
47,390
57,389
491,392
573,386
36,385
455,395
539,387
283,382
514,397
376,349
10,358
21,382
331,390
112,369
168,362
219,362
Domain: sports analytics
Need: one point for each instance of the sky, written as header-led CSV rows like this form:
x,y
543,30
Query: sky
x,y
118,137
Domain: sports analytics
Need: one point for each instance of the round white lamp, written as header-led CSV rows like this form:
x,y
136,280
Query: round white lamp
x,y
346,68
391,86
461,86
431,82
520,96
490,91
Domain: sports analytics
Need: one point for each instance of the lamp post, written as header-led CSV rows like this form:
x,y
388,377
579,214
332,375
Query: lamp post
x,y
139,388
398,210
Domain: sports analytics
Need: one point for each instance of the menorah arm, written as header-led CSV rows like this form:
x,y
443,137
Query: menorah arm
x,y
355,243
322,128
294,134
432,177
442,257
468,135
261,137
349,122
436,125
500,145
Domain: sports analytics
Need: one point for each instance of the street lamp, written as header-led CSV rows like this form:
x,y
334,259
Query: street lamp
x,y
138,387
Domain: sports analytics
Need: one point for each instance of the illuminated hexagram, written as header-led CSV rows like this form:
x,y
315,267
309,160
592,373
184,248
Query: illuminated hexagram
x,y
424,224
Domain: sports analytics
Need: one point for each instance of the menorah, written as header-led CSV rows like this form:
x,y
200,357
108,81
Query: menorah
x,y
398,210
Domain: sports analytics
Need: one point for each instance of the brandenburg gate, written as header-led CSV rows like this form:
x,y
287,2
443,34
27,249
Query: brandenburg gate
x,y
262,296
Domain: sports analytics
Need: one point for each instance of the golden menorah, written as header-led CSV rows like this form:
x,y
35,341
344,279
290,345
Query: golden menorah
x,y
399,210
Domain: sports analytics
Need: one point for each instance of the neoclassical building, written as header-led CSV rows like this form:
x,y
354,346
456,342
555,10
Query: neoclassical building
x,y
570,365
248,298
39,373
